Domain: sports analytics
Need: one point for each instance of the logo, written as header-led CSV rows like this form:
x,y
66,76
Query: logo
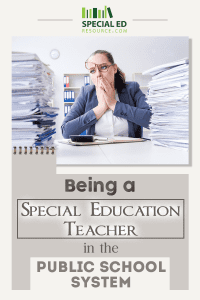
x,y
96,13
101,21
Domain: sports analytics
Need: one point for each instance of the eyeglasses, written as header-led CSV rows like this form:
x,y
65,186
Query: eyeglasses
x,y
92,67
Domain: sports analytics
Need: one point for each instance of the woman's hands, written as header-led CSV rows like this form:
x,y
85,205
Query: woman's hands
x,y
108,92
106,97
101,95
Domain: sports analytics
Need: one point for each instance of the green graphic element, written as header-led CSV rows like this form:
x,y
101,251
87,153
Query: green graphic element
x,y
96,13
110,13
83,12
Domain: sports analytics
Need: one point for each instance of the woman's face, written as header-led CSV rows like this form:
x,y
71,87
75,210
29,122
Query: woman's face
x,y
100,59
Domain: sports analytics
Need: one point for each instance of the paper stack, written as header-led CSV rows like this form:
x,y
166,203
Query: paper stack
x,y
168,97
32,91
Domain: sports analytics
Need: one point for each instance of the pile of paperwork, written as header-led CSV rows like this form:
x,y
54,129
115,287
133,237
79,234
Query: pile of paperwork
x,y
33,119
168,97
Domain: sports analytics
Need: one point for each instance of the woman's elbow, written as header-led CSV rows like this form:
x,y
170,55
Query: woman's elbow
x,y
65,132
148,119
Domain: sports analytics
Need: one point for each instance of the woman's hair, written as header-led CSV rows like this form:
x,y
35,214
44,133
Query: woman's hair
x,y
119,76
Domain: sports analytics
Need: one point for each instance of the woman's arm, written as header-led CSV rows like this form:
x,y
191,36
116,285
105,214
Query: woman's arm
x,y
77,120
140,114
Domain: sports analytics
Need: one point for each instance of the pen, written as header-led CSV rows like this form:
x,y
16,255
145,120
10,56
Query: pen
x,y
101,138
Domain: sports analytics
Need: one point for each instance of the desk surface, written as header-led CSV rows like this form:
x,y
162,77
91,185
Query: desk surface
x,y
142,153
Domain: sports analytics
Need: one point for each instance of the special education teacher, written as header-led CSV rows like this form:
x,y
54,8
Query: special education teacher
x,y
110,107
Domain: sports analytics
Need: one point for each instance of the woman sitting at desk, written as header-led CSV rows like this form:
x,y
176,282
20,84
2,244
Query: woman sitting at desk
x,y
110,107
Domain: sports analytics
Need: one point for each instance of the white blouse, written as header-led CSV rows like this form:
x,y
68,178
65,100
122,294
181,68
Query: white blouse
x,y
109,125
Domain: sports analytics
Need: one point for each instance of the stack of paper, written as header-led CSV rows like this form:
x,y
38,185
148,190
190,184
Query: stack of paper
x,y
168,97
33,119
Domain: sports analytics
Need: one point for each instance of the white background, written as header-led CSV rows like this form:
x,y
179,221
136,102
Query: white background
x,y
19,18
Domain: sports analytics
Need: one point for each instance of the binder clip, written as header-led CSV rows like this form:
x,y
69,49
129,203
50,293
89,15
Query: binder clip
x,y
52,150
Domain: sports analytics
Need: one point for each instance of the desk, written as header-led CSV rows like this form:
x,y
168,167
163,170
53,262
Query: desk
x,y
142,153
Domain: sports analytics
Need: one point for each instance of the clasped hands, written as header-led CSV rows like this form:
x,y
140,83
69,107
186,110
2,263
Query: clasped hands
x,y
106,97
105,94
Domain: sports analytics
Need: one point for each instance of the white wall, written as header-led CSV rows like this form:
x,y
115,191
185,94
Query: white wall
x,y
132,54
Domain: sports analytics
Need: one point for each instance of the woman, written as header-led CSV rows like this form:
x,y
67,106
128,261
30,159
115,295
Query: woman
x,y
111,106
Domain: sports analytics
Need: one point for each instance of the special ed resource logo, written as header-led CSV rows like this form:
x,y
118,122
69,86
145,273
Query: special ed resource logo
x,y
101,18
96,13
